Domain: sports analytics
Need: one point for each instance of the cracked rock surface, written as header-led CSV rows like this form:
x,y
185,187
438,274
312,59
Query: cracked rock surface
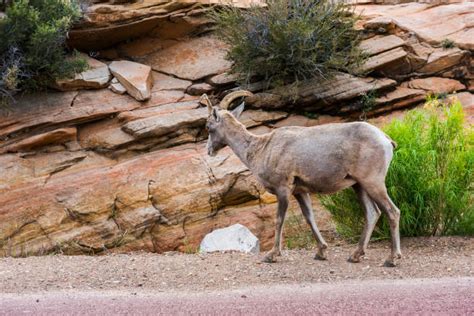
x,y
92,171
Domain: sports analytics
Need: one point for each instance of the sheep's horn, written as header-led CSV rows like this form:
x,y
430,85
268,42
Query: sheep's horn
x,y
205,100
232,96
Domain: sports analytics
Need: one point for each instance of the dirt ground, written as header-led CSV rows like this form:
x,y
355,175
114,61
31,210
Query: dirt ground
x,y
423,258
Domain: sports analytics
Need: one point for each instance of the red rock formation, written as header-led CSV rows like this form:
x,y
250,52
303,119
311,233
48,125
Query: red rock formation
x,y
85,171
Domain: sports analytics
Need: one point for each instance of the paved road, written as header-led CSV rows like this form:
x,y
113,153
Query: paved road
x,y
416,296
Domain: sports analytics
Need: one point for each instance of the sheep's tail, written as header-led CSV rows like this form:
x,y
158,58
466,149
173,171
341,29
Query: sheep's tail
x,y
394,144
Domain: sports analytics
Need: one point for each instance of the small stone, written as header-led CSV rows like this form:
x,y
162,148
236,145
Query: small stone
x,y
117,87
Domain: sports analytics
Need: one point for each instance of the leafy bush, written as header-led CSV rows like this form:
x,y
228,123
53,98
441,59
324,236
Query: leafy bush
x,y
32,44
430,178
289,40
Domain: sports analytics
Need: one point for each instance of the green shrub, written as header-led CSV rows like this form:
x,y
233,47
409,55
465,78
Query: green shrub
x,y
430,178
447,43
32,44
289,40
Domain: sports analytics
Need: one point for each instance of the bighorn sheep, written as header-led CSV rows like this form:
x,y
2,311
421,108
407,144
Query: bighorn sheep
x,y
321,159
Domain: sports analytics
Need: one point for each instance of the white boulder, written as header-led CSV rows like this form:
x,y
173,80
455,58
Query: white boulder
x,y
233,238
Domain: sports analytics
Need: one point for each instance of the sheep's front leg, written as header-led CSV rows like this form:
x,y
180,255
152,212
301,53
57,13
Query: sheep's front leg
x,y
304,200
281,212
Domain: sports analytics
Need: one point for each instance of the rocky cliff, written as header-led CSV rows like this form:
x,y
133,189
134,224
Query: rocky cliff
x,y
90,168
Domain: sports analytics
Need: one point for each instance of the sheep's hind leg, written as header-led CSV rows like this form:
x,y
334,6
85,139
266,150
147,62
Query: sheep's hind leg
x,y
281,212
304,201
378,193
372,214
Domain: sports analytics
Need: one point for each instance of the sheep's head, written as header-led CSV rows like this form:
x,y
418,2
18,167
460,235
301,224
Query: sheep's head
x,y
216,119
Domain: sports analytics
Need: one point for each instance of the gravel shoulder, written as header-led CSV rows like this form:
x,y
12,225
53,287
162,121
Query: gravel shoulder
x,y
438,257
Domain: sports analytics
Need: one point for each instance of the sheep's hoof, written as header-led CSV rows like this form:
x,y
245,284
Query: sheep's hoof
x,y
320,257
351,259
389,264
268,259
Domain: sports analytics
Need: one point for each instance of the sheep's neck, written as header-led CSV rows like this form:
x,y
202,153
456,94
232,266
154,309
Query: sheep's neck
x,y
242,142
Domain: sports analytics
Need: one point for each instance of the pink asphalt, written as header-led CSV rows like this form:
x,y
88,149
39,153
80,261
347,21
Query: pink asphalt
x,y
395,297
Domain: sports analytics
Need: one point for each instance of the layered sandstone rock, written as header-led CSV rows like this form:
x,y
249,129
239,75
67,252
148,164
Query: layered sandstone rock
x,y
109,23
435,85
92,209
200,88
89,171
321,94
432,24
192,59
381,61
57,136
379,44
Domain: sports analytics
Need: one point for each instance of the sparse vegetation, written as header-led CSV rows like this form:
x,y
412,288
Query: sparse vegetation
x,y
436,97
32,45
447,43
290,40
297,232
431,177
368,102
311,115
188,247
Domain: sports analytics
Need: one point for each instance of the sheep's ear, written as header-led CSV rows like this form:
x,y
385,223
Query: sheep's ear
x,y
238,110
215,113
205,100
